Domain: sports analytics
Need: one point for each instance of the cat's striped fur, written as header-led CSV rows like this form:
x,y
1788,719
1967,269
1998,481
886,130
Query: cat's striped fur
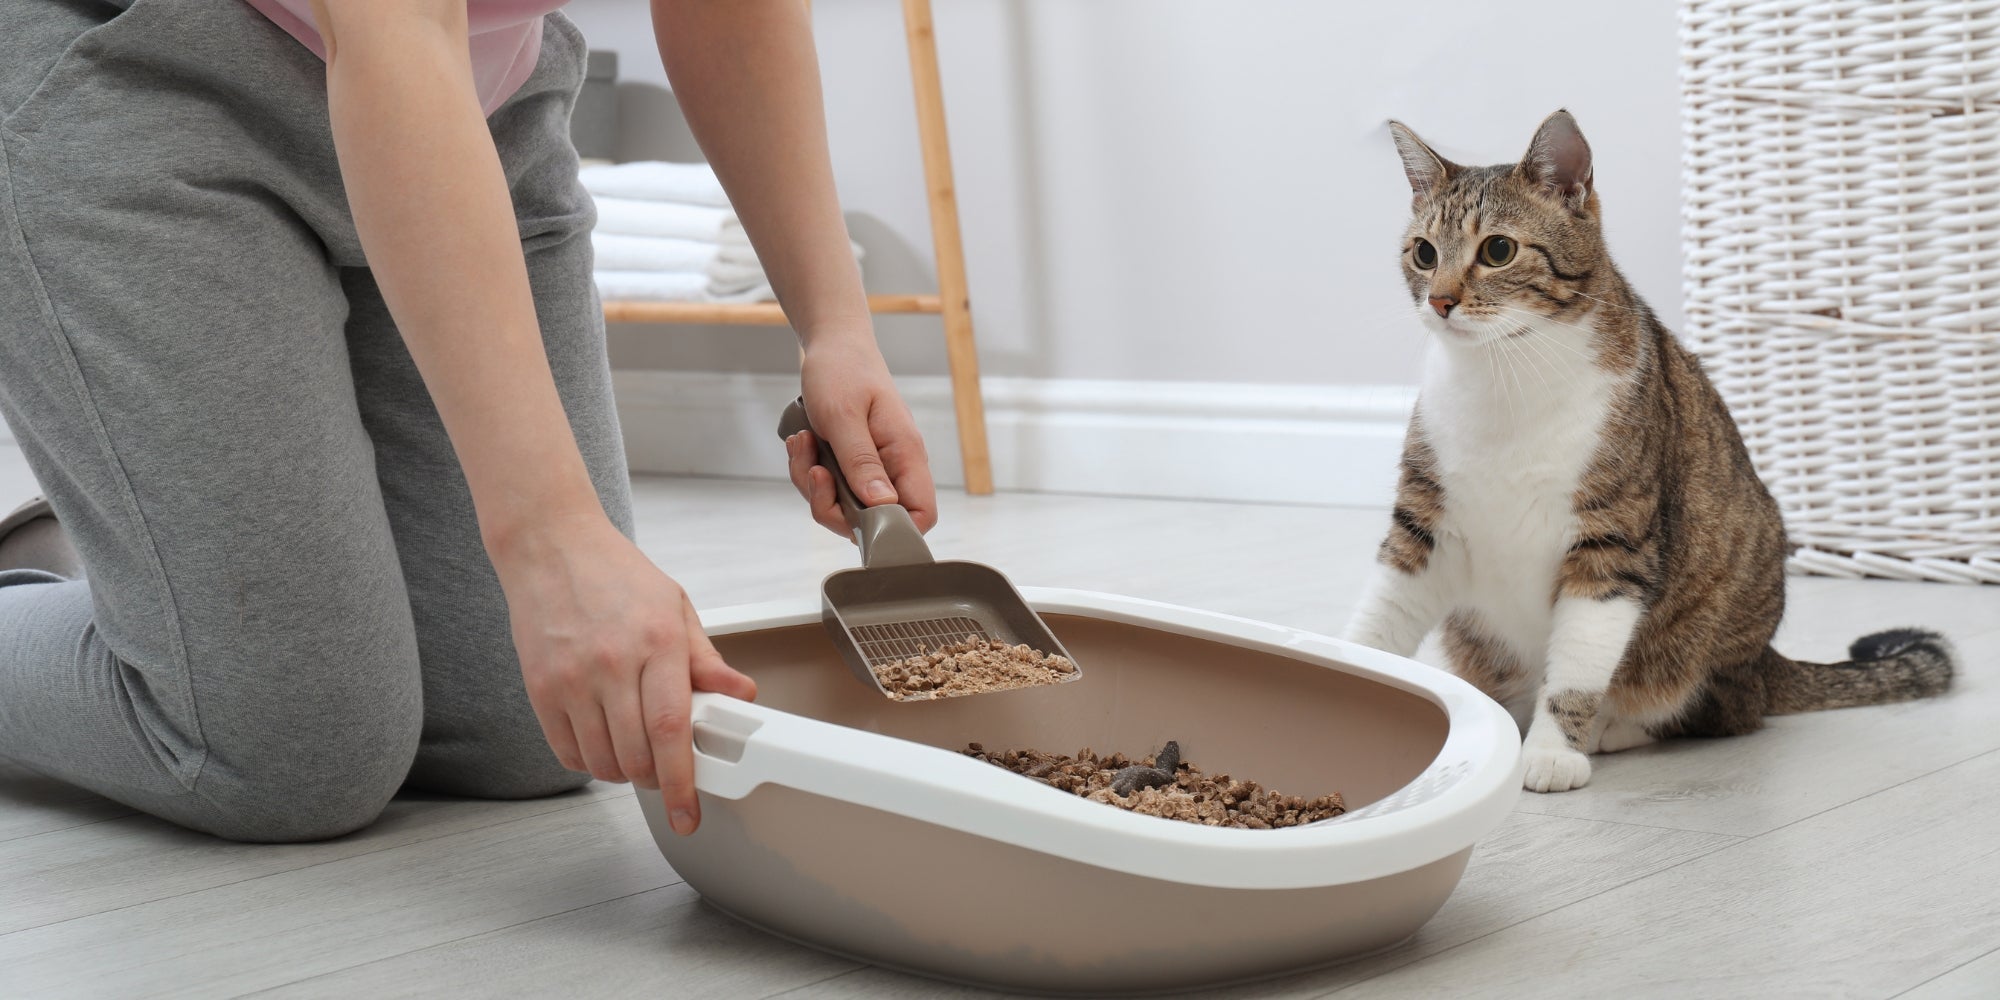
x,y
1576,507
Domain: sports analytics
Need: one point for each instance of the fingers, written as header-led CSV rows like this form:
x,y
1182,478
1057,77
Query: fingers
x,y
561,736
629,742
902,449
663,693
800,457
663,700
853,444
600,757
919,496
825,503
815,483
706,669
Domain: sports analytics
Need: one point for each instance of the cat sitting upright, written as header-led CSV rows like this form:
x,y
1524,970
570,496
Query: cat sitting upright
x,y
1575,505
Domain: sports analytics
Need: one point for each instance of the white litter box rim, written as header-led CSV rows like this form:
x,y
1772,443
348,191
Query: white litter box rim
x,y
1464,793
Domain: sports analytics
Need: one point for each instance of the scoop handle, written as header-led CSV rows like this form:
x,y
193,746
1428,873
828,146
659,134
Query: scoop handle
x,y
794,421
885,533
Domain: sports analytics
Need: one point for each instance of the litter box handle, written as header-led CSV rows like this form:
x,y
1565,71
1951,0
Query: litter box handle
x,y
885,533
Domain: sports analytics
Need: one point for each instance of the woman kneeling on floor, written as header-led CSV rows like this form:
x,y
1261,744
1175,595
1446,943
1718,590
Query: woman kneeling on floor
x,y
298,334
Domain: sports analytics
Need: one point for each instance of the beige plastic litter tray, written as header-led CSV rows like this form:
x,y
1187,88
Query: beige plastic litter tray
x,y
838,818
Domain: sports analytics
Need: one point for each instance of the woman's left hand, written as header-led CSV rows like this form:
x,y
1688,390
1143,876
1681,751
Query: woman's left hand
x,y
853,402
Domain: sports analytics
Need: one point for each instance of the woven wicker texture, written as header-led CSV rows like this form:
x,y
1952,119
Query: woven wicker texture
x,y
1843,269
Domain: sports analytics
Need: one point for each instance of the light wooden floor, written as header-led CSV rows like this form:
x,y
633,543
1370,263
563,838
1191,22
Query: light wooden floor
x,y
1852,853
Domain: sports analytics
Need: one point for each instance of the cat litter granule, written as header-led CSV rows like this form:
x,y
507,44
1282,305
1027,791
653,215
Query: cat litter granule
x,y
972,666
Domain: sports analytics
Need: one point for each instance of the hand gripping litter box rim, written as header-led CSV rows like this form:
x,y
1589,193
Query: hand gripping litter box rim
x,y
1464,793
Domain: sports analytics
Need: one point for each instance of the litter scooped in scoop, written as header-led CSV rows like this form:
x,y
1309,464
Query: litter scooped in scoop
x,y
971,666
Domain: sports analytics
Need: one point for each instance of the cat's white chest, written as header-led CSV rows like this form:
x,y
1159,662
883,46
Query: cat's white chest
x,y
1510,457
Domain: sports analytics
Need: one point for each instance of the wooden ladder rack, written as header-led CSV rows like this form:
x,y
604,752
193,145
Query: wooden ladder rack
x,y
951,303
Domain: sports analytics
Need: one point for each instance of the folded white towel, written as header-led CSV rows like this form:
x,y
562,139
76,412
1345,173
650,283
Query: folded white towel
x,y
653,180
731,268
733,278
672,286
618,252
629,217
673,252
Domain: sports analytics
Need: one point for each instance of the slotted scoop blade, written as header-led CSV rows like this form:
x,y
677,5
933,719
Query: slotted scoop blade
x,y
902,602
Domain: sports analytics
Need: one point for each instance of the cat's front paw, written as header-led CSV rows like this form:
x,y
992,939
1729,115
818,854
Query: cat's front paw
x,y
1555,769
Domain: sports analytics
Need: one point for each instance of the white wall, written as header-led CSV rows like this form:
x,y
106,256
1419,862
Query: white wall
x,y
1174,190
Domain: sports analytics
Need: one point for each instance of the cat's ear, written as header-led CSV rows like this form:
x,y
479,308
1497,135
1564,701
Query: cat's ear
x,y
1559,160
1427,170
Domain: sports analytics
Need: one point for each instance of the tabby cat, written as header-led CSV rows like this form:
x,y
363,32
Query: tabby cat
x,y
1575,505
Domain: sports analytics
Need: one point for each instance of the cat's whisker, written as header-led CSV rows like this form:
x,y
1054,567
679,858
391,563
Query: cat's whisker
x,y
1537,318
1513,368
1496,365
1588,334
1534,343
1519,355
1602,302
1572,379
1566,372
1536,359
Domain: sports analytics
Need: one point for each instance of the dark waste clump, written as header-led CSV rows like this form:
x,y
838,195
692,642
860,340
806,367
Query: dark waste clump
x,y
1164,786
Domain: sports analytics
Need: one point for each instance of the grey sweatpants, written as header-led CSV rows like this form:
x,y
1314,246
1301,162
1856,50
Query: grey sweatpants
x,y
287,612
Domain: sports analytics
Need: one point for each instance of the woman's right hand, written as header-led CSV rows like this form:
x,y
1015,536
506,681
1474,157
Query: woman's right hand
x,y
611,651
851,398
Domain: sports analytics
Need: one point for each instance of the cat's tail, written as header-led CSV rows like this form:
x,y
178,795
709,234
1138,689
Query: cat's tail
x,y
1897,665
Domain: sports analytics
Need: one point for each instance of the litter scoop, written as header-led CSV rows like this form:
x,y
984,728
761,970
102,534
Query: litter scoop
x,y
902,602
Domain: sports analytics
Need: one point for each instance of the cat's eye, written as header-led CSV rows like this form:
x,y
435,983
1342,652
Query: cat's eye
x,y
1425,255
1497,251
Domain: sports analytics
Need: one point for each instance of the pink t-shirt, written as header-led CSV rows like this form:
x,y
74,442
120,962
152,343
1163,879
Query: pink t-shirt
x,y
506,39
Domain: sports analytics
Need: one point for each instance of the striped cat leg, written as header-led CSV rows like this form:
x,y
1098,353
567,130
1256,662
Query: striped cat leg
x,y
1586,642
1399,609
1405,600
1475,654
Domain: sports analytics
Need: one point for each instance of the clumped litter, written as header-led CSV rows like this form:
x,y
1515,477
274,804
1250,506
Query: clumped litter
x,y
1164,786
971,666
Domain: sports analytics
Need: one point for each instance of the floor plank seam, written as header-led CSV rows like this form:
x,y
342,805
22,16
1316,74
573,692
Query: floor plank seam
x,y
823,979
304,867
1751,836
467,937
1947,972
69,829
1870,795
1637,826
1736,840
1732,845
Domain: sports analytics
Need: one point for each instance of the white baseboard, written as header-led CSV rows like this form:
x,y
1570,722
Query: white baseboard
x,y
1335,445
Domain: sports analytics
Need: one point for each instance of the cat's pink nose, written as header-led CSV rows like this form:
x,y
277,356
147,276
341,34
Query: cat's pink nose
x,y
1443,304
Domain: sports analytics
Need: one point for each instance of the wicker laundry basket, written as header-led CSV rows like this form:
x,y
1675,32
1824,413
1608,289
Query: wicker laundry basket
x,y
1843,269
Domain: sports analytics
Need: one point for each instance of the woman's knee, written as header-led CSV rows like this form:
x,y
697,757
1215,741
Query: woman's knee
x,y
521,781
501,763
266,812
316,766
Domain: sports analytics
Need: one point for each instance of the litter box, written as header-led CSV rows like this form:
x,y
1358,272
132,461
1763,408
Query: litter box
x,y
838,818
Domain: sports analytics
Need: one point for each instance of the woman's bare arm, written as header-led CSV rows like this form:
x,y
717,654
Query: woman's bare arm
x,y
747,80
608,643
